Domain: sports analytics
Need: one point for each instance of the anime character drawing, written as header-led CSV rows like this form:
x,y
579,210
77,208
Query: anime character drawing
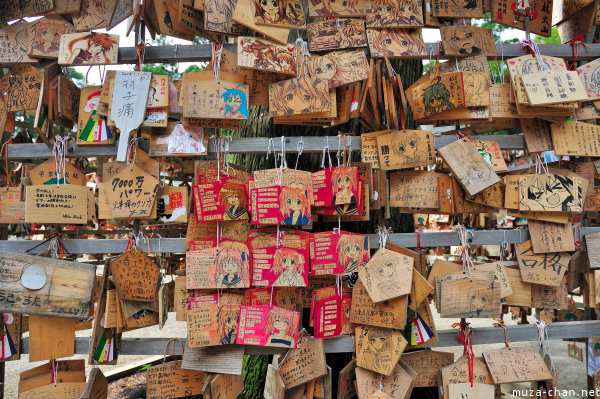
x,y
294,207
475,86
299,96
235,103
395,42
352,250
408,147
344,183
227,324
91,49
336,8
233,197
46,38
95,129
472,64
478,171
534,65
231,268
92,14
271,56
462,7
394,13
278,12
17,95
335,71
436,98
552,193
595,80
289,265
480,303
218,15
355,35
377,355
186,140
465,41
279,327
385,279
302,181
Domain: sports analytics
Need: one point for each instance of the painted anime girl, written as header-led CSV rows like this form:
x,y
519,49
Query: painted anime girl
x,y
392,13
344,183
436,99
406,146
289,265
354,36
46,37
595,80
95,129
235,103
277,12
227,324
17,95
90,49
270,56
334,71
475,85
91,13
352,249
219,15
233,197
378,354
294,207
280,326
231,268
396,42
335,8
300,96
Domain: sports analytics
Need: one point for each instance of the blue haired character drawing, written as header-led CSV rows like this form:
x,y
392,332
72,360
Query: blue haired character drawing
x,y
235,102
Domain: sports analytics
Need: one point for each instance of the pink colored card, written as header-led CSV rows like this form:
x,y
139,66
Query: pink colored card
x,y
196,245
285,297
279,267
268,326
294,206
335,186
220,200
280,205
328,317
337,252
205,297
347,326
265,205
322,190
323,293
354,208
225,267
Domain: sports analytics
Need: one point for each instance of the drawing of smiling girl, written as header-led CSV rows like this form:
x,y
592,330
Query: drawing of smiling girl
x,y
231,268
235,103
90,49
406,146
436,99
233,197
299,96
378,353
293,206
280,327
352,249
289,264
227,323
278,12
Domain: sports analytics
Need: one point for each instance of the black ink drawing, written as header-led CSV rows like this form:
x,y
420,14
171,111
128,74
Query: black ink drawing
x,y
377,350
436,99
552,193
475,86
17,95
409,147
477,171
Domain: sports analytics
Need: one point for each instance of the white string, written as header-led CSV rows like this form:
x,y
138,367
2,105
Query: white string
x,y
380,384
53,248
540,165
160,238
544,342
217,70
503,247
283,161
218,228
463,235
337,20
59,151
300,147
226,141
326,148
384,236
270,146
339,148
349,145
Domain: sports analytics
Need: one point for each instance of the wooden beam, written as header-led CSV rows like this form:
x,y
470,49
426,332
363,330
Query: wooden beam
x,y
203,52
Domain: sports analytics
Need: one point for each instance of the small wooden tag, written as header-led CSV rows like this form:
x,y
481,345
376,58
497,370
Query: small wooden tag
x,y
88,48
45,174
336,34
428,364
135,276
303,364
169,380
464,390
49,204
575,352
378,349
97,386
364,311
387,275
131,193
458,372
398,383
576,138
551,237
395,43
550,193
398,150
212,325
461,40
544,269
478,297
516,365
441,94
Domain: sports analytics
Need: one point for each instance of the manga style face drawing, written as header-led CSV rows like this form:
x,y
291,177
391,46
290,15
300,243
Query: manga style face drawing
x,y
278,12
218,17
93,48
269,56
227,324
293,206
16,95
289,264
554,193
352,249
92,14
480,303
344,185
235,103
279,327
475,85
45,40
534,65
299,96
231,268
436,99
233,197
595,80
465,42
478,171
336,8
377,349
395,42
394,13
407,146
339,68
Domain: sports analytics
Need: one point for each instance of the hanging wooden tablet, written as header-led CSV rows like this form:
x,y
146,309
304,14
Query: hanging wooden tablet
x,y
468,41
537,134
169,380
428,363
263,54
516,365
378,349
268,326
458,372
546,297
500,276
459,9
123,10
97,386
212,325
540,25
553,87
544,269
551,237
15,41
22,88
51,337
88,48
68,99
492,196
45,174
192,19
296,96
576,138
339,68
395,43
94,15
466,390
172,205
227,386
394,14
158,93
388,314
281,13
135,276
416,189
39,382
216,99
340,34
56,205
550,193
469,167
397,385
387,275
356,8
406,149
131,193
274,386
576,25
178,140
303,364
218,268
12,209
477,297
333,253
44,37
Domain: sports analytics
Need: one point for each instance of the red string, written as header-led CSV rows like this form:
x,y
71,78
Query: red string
x,y
528,45
579,39
129,244
418,239
465,338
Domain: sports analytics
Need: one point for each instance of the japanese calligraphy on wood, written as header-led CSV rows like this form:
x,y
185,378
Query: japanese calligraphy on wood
x,y
544,269
303,364
516,365
131,193
56,205
135,276
428,365
406,149
216,99
388,314
169,380
576,138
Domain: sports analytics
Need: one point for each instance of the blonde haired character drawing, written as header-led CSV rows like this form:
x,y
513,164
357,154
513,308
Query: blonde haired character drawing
x,y
233,197
352,249
276,12
344,183
227,324
293,206
332,8
279,327
397,42
333,71
383,13
231,268
300,96
289,265
46,37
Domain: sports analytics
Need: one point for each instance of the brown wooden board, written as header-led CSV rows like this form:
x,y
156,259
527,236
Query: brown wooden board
x,y
131,193
394,14
51,337
576,138
12,209
546,297
521,295
396,386
544,269
274,386
97,386
56,205
576,25
46,174
215,359
378,349
299,96
14,38
562,10
169,380
468,390
468,41
477,296
285,13
243,14
500,276
551,237
66,287
458,372
88,48
428,364
218,18
336,34
395,43
94,15
44,37
355,8
459,9
303,364
339,68
263,54
216,99
406,149
516,365
136,276
593,246
387,275
22,88
550,193
537,134
553,87
504,15
416,189
389,314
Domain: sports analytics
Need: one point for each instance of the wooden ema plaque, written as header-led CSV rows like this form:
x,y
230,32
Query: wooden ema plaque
x,y
544,269
97,386
414,189
516,365
463,41
458,372
551,237
576,138
549,193
388,314
169,380
88,48
131,193
593,246
547,297
472,171
12,209
378,349
303,364
341,34
537,134
135,276
395,43
500,276
274,386
397,385
38,285
394,14
553,87
387,275
399,149
428,365
22,88
46,174
211,325
464,390
476,297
